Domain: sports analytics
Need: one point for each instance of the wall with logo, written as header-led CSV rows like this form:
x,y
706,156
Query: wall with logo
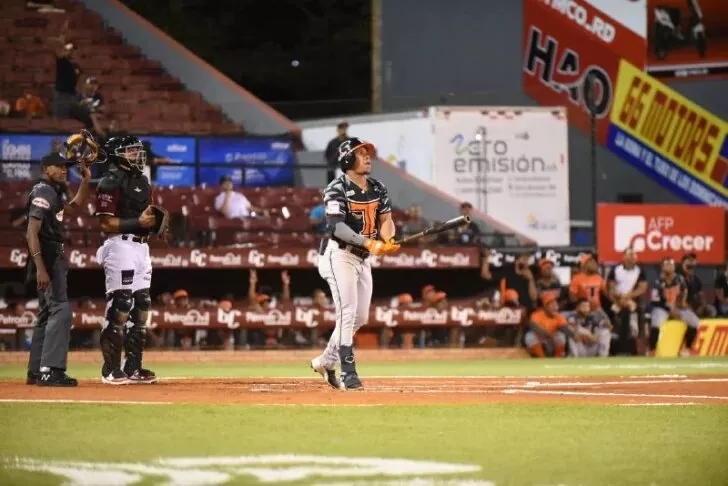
x,y
458,53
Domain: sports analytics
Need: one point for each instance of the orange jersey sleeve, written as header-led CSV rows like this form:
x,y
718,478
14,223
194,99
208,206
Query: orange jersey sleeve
x,y
548,324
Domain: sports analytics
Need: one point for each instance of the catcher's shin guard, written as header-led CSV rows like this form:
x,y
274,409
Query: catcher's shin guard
x,y
112,337
135,337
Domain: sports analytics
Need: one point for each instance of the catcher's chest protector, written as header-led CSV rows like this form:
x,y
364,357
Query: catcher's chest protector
x,y
134,195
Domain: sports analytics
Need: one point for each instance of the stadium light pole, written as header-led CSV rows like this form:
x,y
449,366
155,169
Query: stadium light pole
x,y
590,101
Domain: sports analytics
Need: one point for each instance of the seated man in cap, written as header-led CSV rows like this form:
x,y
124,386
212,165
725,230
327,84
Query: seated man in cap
x,y
547,331
233,204
591,331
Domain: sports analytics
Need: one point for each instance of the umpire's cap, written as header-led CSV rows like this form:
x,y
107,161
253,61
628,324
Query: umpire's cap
x,y
54,158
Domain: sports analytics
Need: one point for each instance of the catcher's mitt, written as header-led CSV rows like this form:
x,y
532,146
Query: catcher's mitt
x,y
161,225
81,148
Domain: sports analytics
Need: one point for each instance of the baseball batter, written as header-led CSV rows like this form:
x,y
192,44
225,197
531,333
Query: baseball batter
x,y
123,197
359,221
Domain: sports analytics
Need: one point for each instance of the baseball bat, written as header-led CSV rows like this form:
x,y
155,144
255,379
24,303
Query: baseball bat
x,y
438,228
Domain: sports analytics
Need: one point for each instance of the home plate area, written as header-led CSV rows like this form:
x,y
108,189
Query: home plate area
x,y
633,391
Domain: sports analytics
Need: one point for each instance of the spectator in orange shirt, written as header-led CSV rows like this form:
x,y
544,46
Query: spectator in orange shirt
x,y
588,284
547,331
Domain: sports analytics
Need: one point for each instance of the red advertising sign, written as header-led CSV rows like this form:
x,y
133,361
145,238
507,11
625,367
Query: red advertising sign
x,y
278,257
687,38
459,314
656,231
566,43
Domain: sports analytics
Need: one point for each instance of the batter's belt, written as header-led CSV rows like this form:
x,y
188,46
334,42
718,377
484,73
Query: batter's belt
x,y
353,249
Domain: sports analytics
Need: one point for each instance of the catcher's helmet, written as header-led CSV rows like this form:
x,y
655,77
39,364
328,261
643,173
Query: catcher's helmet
x,y
347,149
127,152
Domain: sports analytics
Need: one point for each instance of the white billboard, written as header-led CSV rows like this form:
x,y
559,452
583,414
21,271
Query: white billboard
x,y
510,163
404,140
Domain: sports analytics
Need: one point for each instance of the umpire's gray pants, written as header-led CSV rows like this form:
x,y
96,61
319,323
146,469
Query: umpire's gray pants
x,y
49,346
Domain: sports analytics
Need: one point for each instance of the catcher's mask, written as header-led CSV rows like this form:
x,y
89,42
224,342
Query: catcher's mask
x,y
347,157
127,152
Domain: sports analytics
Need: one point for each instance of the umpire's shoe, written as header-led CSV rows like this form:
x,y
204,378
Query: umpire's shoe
x,y
142,377
56,377
32,378
329,375
351,381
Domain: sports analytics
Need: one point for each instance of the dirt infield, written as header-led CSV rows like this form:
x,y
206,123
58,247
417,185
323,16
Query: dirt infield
x,y
633,391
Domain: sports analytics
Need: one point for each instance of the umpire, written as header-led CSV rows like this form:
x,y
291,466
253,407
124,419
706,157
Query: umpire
x,y
47,267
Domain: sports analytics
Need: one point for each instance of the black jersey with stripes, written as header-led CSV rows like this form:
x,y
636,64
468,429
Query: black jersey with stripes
x,y
359,209
665,294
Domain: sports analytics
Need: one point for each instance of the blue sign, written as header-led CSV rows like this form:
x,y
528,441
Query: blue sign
x,y
177,149
666,174
19,171
247,151
175,175
28,147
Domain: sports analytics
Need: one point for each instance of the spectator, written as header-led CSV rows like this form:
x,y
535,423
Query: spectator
x,y
432,298
519,278
626,285
332,151
30,106
590,331
4,108
67,71
468,235
233,204
547,331
165,300
89,104
319,299
721,292
588,284
670,301
317,218
181,303
696,296
548,284
415,223
260,301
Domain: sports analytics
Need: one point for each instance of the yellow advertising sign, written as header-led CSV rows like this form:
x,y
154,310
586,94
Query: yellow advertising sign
x,y
712,338
670,342
679,131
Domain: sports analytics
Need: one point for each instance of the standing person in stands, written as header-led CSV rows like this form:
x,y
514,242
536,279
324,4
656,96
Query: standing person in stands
x,y
626,285
548,284
332,151
67,72
519,278
588,284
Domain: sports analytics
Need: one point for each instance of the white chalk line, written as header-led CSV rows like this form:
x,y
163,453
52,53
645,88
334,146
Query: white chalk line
x,y
512,391
660,404
89,402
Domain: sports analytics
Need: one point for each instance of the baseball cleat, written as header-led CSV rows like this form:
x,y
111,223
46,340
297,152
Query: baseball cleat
x,y
328,375
142,377
350,381
56,377
116,377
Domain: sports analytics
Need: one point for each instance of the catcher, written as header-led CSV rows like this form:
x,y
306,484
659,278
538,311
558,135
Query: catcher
x,y
127,220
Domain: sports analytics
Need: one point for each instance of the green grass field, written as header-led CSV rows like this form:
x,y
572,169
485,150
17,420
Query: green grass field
x,y
502,444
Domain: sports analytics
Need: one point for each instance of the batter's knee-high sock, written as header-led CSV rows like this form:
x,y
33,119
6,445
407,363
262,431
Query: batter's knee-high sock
x,y
559,350
112,342
348,363
690,334
537,350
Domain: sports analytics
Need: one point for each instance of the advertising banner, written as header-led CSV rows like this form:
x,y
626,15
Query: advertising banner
x,y
568,42
670,138
657,231
274,152
274,257
712,338
16,150
404,142
459,314
687,38
510,163
175,175
176,149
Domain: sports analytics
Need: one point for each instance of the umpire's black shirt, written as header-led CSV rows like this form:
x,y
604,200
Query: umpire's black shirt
x,y
45,203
